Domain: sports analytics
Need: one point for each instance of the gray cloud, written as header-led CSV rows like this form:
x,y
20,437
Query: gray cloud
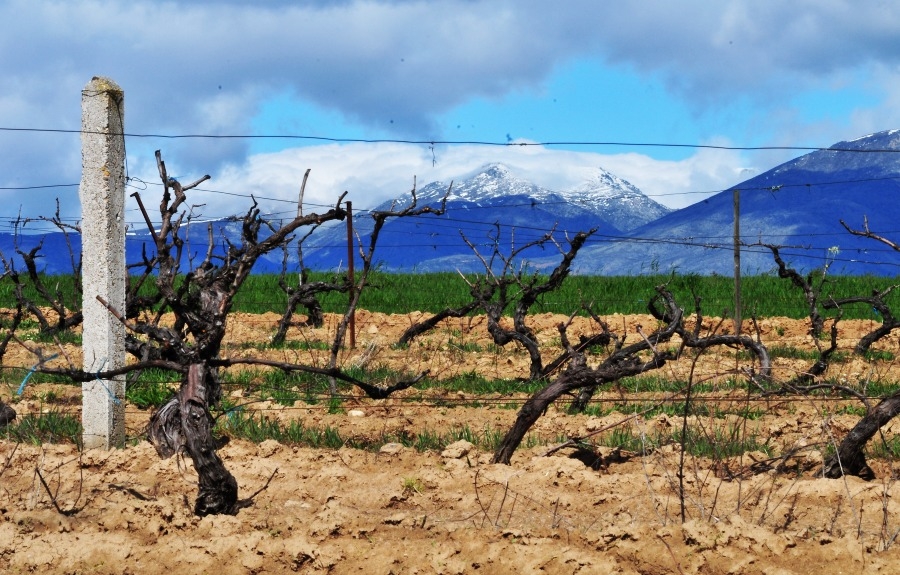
x,y
764,50
204,67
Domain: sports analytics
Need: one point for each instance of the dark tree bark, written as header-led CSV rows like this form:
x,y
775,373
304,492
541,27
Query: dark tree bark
x,y
605,337
622,363
200,302
367,255
876,301
576,376
689,339
305,295
52,298
849,458
7,414
493,293
810,290
427,325
185,423
200,297
67,312
867,233
15,320
812,293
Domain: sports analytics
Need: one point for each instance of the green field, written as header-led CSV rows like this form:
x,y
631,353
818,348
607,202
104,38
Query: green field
x,y
763,295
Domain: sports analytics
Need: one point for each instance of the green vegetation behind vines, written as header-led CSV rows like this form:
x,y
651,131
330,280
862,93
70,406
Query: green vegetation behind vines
x,y
763,295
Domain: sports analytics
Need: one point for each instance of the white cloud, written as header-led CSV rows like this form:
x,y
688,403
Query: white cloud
x,y
204,67
373,173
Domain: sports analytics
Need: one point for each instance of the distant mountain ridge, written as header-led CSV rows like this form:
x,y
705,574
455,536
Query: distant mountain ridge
x,y
492,207
797,205
611,198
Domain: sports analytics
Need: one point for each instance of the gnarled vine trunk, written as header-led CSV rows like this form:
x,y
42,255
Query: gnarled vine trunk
x,y
185,424
849,459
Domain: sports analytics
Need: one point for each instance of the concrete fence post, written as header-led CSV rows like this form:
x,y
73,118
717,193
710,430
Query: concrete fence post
x,y
102,194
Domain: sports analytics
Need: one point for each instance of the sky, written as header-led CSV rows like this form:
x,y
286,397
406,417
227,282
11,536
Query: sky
x,y
372,96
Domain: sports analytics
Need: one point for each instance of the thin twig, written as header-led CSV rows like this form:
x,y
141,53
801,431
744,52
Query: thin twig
x,y
249,501
69,512
671,553
573,442
9,459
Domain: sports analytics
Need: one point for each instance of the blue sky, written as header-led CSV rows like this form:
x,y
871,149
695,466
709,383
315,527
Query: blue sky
x,y
734,74
583,101
586,101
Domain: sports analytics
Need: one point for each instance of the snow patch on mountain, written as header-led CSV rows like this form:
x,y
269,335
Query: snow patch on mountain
x,y
604,194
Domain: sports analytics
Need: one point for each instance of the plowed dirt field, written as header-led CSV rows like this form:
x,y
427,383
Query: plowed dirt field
x,y
395,509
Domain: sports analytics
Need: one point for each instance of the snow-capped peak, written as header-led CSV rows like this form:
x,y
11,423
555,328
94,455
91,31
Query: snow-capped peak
x,y
603,193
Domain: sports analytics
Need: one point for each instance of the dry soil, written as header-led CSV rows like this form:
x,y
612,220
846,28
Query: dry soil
x,y
397,510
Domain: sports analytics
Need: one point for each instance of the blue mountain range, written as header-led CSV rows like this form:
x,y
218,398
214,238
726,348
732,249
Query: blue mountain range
x,y
797,205
492,208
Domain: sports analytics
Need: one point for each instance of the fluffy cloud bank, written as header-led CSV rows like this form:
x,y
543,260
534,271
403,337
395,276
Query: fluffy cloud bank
x,y
373,173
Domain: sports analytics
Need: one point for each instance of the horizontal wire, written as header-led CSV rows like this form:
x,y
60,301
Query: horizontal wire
x,y
772,188
433,142
322,402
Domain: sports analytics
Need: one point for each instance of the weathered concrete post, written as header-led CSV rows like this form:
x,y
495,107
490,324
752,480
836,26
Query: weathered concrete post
x,y
102,194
